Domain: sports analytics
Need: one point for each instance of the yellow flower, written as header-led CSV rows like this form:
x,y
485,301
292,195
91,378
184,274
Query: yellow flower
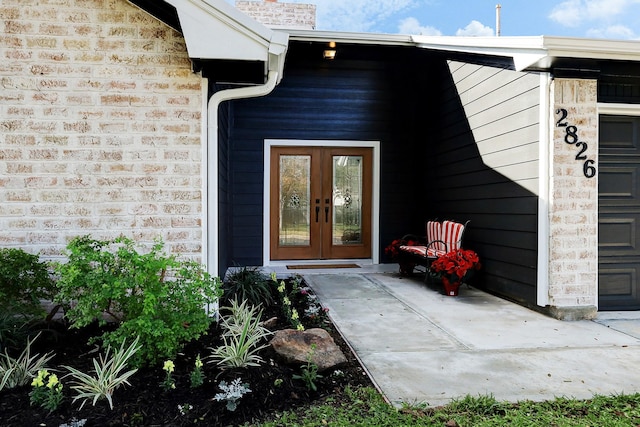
x,y
198,362
300,327
168,366
53,380
281,288
39,380
286,301
294,314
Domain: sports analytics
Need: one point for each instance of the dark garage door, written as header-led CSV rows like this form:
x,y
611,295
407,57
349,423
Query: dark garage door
x,y
619,213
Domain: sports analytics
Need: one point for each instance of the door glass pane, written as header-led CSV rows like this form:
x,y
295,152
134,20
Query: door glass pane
x,y
295,193
347,200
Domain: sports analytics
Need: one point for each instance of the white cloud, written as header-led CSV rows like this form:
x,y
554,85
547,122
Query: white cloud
x,y
475,28
573,13
412,26
619,32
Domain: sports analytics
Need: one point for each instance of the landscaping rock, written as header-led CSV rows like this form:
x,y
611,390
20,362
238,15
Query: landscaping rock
x,y
270,324
295,347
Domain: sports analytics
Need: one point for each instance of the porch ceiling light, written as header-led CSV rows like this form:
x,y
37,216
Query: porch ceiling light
x,y
331,52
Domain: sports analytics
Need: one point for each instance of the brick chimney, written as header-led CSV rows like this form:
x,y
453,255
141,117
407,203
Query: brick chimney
x,y
284,15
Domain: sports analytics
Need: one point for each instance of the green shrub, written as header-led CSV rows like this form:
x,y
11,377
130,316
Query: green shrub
x,y
248,284
14,329
24,281
152,296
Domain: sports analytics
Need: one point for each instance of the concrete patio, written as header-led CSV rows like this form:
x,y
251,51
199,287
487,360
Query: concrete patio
x,y
420,346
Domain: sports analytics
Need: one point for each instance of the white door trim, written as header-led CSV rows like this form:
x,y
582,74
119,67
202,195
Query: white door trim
x,y
375,197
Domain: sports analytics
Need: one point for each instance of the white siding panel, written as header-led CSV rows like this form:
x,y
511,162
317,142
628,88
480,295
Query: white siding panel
x,y
521,154
526,95
477,78
489,124
502,111
508,141
464,72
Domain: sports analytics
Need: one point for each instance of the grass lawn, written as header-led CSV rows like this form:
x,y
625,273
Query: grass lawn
x,y
365,407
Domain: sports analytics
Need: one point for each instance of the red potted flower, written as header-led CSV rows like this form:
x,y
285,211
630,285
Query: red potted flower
x,y
393,251
455,267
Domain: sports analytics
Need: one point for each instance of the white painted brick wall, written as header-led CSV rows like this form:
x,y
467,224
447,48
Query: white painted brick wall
x,y
574,200
275,14
100,127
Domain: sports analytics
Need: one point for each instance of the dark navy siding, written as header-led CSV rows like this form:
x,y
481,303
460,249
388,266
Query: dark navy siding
x,y
431,164
224,124
479,136
378,98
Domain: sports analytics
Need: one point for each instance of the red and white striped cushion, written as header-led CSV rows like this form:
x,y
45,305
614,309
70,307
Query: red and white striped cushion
x,y
418,250
422,251
434,232
452,235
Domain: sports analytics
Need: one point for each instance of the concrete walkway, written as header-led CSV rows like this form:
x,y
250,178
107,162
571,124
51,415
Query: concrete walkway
x,y
420,346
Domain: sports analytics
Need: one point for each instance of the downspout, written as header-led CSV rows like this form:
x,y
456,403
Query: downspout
x,y
545,155
212,159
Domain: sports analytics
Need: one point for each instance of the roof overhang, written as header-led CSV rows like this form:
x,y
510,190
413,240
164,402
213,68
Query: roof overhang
x,y
538,53
214,29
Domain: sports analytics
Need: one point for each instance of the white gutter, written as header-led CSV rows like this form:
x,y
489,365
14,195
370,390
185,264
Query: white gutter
x,y
212,159
545,155
214,29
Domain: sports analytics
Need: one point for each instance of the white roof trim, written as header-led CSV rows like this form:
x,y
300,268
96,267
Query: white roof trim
x,y
213,29
535,52
525,51
348,37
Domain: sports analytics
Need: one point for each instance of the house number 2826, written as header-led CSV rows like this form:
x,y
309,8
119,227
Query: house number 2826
x,y
571,137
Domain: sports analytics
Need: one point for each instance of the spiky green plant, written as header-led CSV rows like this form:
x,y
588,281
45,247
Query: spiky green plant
x,y
110,373
20,371
243,338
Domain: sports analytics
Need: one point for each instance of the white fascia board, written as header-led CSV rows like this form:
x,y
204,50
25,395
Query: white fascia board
x,y
213,29
535,52
525,51
348,37
571,47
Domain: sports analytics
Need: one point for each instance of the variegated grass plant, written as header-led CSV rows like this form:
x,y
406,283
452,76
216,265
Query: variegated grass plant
x,y
110,373
243,336
15,372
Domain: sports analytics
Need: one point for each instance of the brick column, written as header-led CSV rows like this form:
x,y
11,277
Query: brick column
x,y
573,245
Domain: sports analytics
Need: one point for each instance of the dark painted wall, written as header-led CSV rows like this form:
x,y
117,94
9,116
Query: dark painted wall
x,y
486,163
364,94
224,238
430,162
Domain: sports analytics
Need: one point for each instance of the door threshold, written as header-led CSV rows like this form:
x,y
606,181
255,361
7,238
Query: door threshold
x,y
293,262
366,267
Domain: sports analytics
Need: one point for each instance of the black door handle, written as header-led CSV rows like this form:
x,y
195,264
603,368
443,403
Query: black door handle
x,y
326,214
317,212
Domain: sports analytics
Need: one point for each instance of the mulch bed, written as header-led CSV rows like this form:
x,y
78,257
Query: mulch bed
x,y
146,403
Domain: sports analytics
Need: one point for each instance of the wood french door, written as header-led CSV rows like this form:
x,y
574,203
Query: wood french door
x,y
320,202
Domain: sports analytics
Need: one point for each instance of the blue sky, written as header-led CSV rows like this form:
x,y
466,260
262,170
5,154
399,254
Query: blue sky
x,y
611,19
